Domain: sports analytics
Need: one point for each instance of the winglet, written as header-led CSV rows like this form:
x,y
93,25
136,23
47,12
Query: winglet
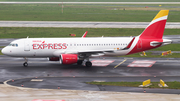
x,y
84,35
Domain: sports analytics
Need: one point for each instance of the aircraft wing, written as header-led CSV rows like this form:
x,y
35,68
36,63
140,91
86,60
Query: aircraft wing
x,y
95,51
89,51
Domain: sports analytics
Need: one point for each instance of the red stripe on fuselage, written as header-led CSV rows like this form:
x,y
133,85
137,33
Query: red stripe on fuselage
x,y
130,43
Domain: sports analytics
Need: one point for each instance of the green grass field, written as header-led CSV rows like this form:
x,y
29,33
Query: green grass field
x,y
172,85
23,32
85,12
93,0
151,55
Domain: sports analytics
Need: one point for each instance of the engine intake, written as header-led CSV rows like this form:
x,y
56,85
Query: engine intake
x,y
68,58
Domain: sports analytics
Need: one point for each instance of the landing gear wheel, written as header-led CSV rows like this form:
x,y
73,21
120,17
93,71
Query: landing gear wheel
x,y
25,64
88,64
79,62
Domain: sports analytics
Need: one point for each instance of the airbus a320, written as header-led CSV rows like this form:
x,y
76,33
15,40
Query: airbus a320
x,y
77,50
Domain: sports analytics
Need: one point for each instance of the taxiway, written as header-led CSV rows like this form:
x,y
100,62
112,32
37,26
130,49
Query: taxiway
x,y
80,24
73,77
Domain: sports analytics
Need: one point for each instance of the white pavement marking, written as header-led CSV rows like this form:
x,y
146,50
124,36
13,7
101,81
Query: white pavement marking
x,y
38,80
81,24
90,2
142,63
102,63
139,65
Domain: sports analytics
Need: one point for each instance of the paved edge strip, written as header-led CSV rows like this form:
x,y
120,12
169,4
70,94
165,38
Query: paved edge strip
x,y
90,2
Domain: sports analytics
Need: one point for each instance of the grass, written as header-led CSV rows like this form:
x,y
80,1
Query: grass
x,y
20,32
172,47
172,85
1,53
85,12
151,55
93,0
23,32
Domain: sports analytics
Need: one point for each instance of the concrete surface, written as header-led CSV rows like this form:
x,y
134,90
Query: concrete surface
x,y
8,93
90,2
82,24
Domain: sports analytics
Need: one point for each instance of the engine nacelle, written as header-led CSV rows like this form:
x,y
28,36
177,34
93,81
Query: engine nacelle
x,y
53,58
68,58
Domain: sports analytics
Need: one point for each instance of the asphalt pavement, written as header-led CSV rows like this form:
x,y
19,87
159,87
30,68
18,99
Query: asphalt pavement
x,y
82,24
73,77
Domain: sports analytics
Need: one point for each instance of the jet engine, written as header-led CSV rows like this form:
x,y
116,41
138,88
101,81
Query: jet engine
x,y
68,58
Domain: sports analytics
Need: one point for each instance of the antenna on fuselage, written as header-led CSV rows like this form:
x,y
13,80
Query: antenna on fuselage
x,y
27,37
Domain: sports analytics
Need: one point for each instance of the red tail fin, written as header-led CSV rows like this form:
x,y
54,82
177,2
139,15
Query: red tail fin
x,y
156,28
151,37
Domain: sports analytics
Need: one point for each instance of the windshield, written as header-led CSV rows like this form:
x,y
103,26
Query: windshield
x,y
13,44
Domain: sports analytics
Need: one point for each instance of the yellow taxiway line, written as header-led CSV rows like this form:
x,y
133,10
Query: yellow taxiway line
x,y
120,63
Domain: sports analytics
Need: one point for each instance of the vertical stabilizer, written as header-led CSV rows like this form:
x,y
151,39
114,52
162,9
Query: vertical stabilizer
x,y
156,28
151,37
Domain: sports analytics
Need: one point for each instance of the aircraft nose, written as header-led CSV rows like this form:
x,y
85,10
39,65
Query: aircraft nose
x,y
4,51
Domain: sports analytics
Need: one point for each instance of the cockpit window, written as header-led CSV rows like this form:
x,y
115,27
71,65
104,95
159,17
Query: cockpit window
x,y
13,44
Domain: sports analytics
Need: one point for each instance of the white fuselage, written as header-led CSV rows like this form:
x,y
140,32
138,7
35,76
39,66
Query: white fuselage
x,y
49,47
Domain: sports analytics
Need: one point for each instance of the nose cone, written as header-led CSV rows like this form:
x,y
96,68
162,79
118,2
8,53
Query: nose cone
x,y
4,51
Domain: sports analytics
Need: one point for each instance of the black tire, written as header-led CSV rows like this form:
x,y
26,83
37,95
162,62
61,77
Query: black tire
x,y
79,62
88,64
25,64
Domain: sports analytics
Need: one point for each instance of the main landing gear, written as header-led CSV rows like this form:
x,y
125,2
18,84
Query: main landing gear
x,y
79,62
88,63
25,64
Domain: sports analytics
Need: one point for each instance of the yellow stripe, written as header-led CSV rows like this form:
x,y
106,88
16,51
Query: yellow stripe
x,y
120,63
161,14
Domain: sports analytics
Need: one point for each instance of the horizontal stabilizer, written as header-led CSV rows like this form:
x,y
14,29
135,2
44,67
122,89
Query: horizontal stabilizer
x,y
164,42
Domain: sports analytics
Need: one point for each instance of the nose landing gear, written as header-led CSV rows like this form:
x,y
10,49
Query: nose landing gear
x,y
25,64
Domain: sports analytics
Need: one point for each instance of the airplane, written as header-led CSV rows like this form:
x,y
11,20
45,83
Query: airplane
x,y
76,50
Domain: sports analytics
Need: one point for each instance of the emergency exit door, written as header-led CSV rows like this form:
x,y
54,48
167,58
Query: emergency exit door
x,y
27,45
